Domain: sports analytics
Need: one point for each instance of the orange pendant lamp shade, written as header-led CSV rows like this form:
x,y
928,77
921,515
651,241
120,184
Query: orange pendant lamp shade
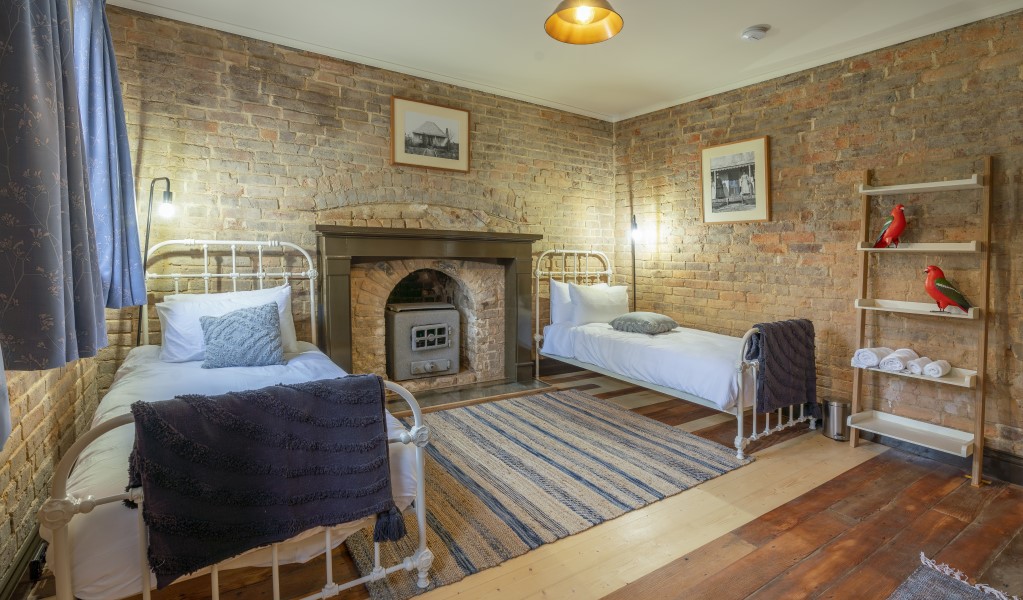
x,y
583,22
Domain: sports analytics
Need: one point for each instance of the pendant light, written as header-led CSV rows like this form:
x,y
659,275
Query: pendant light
x,y
583,22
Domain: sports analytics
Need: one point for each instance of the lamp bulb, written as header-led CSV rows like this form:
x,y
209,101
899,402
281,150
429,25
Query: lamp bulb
x,y
166,210
584,14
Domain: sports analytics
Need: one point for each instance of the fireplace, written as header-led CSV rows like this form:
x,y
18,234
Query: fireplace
x,y
486,276
422,340
423,327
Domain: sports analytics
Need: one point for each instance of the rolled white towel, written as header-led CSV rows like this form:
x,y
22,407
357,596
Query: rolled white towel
x,y
938,368
869,357
916,366
897,361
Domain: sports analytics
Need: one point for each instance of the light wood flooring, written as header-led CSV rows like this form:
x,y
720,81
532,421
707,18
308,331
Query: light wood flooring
x,y
810,518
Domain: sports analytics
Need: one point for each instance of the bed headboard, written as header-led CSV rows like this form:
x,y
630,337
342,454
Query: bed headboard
x,y
584,267
249,260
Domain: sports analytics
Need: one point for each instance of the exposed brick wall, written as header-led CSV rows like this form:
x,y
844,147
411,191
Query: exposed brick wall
x,y
923,110
267,140
49,410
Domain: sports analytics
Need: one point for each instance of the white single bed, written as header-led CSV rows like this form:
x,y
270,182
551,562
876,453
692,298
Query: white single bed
x,y
697,366
696,362
106,556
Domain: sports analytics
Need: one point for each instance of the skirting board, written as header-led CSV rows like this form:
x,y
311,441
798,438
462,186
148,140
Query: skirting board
x,y
18,571
997,464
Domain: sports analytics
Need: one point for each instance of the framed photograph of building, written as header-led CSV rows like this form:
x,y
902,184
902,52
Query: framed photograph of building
x,y
736,182
428,135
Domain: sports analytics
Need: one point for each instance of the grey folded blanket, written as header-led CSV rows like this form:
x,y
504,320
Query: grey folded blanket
x,y
787,369
224,474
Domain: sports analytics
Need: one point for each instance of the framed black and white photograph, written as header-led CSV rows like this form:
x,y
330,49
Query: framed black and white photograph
x,y
735,179
428,135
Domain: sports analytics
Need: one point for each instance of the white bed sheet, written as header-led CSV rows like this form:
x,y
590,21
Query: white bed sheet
x,y
105,542
689,360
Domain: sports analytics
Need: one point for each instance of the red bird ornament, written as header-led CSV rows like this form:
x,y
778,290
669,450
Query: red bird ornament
x,y
943,292
892,229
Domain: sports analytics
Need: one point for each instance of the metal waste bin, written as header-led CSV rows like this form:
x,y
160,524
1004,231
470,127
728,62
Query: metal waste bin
x,y
836,417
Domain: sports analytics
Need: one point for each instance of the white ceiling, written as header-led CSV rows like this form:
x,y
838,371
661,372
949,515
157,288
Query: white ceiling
x,y
670,51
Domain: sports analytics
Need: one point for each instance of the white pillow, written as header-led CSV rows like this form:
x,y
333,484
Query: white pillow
x,y
593,304
180,313
561,302
251,298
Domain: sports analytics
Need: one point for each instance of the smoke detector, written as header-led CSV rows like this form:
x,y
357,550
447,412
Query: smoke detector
x,y
754,33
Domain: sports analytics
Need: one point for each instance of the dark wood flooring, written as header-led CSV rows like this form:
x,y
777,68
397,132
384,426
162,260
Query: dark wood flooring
x,y
857,536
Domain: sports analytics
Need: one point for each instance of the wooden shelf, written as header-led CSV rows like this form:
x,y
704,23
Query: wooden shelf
x,y
969,383
964,378
927,248
929,309
928,435
975,182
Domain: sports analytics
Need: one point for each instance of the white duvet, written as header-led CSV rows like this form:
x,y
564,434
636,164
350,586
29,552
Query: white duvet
x,y
689,360
105,542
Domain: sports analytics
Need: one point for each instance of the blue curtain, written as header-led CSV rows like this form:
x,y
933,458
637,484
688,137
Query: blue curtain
x,y
51,308
109,162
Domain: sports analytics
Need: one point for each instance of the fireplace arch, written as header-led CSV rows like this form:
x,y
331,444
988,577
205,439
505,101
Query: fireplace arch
x,y
476,288
342,247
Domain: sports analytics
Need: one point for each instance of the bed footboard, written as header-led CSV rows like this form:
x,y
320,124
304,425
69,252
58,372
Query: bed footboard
x,y
741,441
57,512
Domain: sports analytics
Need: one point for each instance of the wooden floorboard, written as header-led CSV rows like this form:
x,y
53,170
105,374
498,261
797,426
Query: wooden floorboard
x,y
1006,571
676,412
689,570
811,518
625,391
797,511
855,545
742,578
879,574
979,545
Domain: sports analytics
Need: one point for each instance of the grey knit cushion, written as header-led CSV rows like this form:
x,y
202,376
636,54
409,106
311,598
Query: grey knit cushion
x,y
644,322
247,337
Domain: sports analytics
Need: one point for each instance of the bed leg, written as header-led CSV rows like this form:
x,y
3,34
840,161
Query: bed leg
x,y
740,441
424,560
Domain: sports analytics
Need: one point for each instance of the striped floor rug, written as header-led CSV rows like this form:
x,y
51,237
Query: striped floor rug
x,y
505,477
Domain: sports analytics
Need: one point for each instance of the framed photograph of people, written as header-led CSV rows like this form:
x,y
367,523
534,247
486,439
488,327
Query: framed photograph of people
x,y
736,182
428,135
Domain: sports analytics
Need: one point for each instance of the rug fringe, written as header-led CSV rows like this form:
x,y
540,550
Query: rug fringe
x,y
959,575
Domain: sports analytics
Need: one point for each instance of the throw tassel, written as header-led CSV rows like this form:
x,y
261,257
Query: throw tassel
x,y
133,478
813,409
390,526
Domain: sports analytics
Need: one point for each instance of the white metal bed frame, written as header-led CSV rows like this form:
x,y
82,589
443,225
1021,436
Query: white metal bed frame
x,y
575,266
58,510
260,273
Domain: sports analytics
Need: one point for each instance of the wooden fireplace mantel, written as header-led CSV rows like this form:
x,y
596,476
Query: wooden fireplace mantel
x,y
340,246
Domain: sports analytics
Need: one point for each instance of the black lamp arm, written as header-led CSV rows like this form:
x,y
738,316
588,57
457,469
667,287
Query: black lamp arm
x,y
145,247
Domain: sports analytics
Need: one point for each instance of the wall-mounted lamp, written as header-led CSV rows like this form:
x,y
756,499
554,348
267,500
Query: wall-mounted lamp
x,y
633,235
166,211
583,22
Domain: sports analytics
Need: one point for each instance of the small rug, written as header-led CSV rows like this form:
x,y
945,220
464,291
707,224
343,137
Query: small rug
x,y
505,477
935,581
